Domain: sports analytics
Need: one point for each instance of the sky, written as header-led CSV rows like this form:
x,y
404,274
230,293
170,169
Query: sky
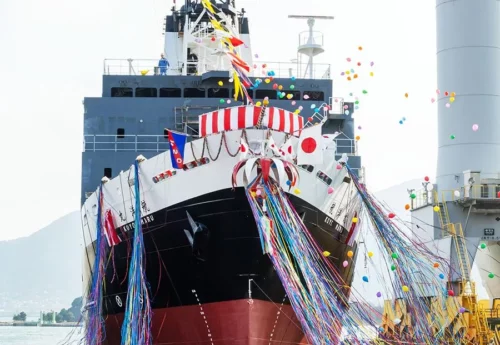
x,y
52,57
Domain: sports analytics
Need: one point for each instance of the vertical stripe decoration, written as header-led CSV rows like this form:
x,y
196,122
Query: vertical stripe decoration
x,y
94,325
136,328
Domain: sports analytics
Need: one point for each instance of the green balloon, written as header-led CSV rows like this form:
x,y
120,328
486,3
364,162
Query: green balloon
x,y
365,92
413,195
452,137
357,102
221,101
395,255
393,267
292,87
483,245
491,275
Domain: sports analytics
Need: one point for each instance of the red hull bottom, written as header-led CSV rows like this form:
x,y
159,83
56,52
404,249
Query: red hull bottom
x,y
222,323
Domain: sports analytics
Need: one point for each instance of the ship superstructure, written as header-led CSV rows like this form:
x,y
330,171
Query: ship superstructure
x,y
210,281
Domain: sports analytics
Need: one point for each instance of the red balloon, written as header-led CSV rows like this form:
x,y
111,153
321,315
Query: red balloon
x,y
426,179
310,119
392,215
451,293
498,195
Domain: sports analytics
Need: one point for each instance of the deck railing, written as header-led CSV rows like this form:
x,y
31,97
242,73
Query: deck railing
x,y
148,67
158,143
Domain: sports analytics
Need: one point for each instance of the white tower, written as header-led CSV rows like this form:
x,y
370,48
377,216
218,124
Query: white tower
x,y
468,169
310,45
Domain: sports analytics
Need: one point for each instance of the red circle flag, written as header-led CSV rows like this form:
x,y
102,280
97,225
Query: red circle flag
x,y
309,145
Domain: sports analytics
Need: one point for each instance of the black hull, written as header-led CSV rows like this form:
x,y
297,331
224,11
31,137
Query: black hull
x,y
220,265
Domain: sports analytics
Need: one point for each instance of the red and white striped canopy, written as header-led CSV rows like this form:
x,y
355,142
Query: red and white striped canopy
x,y
234,118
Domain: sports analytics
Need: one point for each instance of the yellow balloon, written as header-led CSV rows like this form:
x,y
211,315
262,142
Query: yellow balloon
x,y
370,254
347,72
326,253
350,254
280,87
371,74
452,99
221,83
405,288
267,80
258,104
266,102
453,94
297,191
436,209
355,220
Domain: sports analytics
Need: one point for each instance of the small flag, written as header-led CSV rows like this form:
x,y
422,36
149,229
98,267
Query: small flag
x,y
177,143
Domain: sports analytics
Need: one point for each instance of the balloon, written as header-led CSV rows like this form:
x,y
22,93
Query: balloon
x,y
446,93
436,208
348,59
448,105
228,101
436,265
430,187
461,310
345,263
371,74
330,190
441,275
452,99
397,321
339,166
394,255
413,195
297,191
350,254
306,96
438,91
372,63
426,179
370,254
220,83
405,288
357,137
400,122
275,86
293,102
391,215
365,279
221,101
456,194
310,119
453,94
355,220
451,293
379,294
258,104
407,207
292,87
452,137
267,81
393,267
483,245
491,275
359,127
365,92
433,100
406,95
475,127
293,78
360,48
346,112
326,253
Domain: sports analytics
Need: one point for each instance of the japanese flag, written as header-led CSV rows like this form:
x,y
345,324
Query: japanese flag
x,y
287,151
309,149
244,149
271,145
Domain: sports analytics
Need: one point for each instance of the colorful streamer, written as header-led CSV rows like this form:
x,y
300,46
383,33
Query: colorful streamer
x,y
94,326
136,328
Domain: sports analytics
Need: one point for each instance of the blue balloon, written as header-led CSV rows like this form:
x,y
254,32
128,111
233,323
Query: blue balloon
x,y
400,122
293,78
356,107
365,279
288,183
346,112
316,110
441,275
404,118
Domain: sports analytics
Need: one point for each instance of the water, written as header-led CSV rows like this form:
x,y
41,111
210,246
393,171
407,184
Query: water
x,y
34,335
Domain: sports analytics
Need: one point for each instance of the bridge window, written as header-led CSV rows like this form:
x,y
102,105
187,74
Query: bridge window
x,y
218,93
120,133
146,92
167,92
165,133
107,172
324,177
314,95
308,168
295,94
241,99
122,92
261,94
194,93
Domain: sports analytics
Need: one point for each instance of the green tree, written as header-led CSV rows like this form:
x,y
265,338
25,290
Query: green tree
x,y
20,317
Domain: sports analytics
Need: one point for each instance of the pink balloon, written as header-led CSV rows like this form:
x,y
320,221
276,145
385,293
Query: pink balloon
x,y
475,127
448,105
339,166
433,100
345,264
348,59
438,91
330,190
293,102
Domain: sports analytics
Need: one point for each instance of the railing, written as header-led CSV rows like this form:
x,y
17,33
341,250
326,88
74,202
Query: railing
x,y
486,191
143,67
157,143
336,105
317,38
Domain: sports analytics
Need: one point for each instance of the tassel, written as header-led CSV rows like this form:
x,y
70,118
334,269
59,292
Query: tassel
x,y
94,326
136,328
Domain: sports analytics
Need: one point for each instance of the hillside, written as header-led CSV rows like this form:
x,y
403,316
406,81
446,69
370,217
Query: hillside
x,y
42,271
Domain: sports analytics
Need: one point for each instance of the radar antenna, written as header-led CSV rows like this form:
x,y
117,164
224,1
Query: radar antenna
x,y
310,43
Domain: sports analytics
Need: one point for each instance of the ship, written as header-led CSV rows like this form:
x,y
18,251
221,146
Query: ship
x,y
209,279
